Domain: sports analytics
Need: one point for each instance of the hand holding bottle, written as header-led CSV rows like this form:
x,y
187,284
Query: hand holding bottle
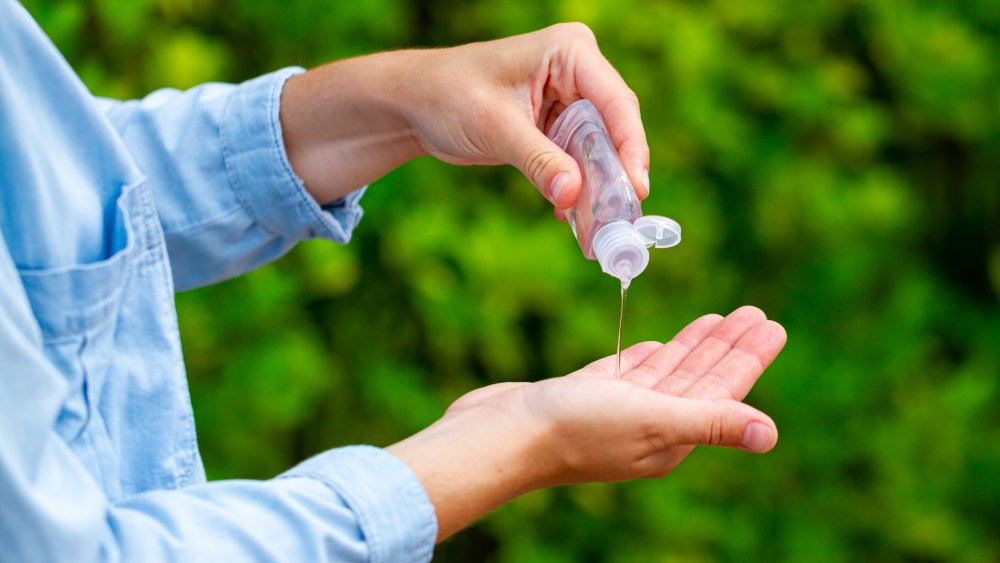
x,y
607,219
350,122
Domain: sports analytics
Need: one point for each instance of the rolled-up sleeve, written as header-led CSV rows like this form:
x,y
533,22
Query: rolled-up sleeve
x,y
227,197
356,503
401,529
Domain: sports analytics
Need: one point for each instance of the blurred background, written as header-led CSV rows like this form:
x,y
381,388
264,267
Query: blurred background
x,y
834,162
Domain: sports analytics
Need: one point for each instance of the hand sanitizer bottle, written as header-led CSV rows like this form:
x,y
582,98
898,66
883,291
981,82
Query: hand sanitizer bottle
x,y
607,220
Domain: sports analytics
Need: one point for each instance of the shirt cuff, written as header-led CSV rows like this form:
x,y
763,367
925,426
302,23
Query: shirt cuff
x,y
262,177
396,517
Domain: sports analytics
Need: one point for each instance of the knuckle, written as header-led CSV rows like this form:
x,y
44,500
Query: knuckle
x,y
537,162
717,431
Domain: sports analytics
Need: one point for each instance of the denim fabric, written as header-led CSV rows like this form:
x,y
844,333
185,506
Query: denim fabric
x,y
105,207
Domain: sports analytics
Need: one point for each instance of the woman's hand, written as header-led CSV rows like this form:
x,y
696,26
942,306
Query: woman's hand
x,y
350,122
490,103
498,442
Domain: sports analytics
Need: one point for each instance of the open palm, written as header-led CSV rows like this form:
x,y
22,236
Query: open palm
x,y
670,397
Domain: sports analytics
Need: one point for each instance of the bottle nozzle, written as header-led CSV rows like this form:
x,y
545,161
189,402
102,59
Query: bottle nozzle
x,y
620,252
623,271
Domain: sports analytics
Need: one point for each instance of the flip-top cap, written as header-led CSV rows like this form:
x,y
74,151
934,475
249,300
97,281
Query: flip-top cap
x,y
657,231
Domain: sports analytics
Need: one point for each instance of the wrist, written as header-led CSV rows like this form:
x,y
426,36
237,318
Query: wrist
x,y
344,123
474,460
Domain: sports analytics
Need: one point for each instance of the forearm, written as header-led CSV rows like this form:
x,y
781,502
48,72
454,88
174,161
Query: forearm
x,y
472,462
343,123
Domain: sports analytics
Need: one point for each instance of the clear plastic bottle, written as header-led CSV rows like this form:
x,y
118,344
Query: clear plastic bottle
x,y
607,219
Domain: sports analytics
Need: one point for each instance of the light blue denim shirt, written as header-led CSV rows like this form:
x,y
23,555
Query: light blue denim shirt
x,y
106,208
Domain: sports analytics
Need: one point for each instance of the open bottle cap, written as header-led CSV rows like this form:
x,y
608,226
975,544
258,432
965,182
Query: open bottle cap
x,y
657,231
621,247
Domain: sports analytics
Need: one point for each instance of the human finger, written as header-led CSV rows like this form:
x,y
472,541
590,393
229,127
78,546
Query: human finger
x,y
710,350
734,375
631,357
713,423
598,81
667,357
553,172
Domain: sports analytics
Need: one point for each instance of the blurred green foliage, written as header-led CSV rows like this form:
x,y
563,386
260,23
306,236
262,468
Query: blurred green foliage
x,y
834,162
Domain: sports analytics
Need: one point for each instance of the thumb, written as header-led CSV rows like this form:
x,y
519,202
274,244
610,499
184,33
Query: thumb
x,y
549,168
720,423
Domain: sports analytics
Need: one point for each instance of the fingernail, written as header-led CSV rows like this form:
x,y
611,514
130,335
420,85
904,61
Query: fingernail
x,y
557,184
645,178
757,438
